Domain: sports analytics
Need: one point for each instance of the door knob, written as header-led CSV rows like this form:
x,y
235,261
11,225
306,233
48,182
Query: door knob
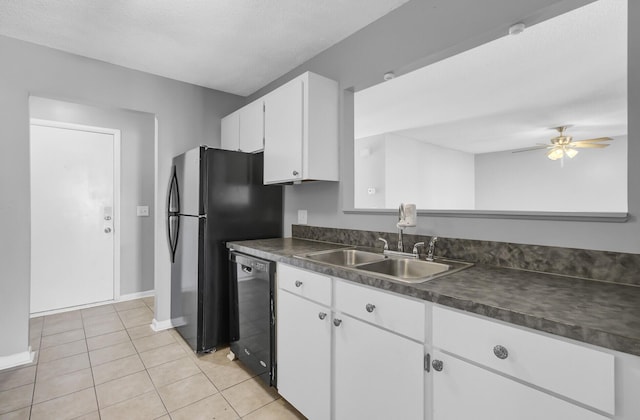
x,y
295,173
337,322
298,283
437,365
370,307
107,230
322,315
107,217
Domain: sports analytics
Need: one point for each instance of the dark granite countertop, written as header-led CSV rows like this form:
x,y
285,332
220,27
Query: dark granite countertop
x,y
599,313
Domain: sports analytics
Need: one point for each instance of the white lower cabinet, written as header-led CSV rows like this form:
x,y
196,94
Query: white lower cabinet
x,y
348,351
304,355
504,372
332,365
378,374
462,390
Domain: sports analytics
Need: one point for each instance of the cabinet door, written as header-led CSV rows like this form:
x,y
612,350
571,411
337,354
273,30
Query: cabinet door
x,y
252,127
283,130
465,391
304,355
378,374
230,131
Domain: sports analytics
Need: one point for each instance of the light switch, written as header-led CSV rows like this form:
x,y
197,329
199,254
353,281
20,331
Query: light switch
x,y
142,211
302,217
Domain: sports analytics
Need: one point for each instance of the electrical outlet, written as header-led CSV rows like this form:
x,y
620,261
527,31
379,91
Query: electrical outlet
x,y
142,211
302,217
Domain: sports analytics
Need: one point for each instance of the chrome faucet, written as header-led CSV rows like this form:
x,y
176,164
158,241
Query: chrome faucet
x,y
415,248
431,249
386,244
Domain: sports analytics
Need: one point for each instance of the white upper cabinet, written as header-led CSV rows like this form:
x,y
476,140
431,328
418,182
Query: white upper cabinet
x,y
301,131
252,127
243,129
230,132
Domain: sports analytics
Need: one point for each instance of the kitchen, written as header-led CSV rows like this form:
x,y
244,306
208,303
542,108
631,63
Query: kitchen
x,y
194,119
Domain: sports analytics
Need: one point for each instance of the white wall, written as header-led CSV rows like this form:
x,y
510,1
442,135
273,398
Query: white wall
x,y
187,116
404,166
404,170
594,180
137,137
370,170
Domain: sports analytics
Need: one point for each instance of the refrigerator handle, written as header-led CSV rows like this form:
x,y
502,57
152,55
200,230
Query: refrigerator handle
x,y
173,227
173,220
173,197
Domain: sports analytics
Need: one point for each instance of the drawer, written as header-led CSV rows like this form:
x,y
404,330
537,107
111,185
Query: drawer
x,y
394,312
583,374
305,283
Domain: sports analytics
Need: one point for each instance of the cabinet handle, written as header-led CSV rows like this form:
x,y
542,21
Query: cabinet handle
x,y
437,365
298,283
370,307
501,352
295,173
337,322
322,315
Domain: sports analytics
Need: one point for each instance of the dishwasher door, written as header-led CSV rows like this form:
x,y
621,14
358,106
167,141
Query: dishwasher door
x,y
253,314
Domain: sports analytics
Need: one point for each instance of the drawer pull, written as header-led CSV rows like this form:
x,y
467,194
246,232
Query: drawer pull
x,y
370,307
437,365
322,315
298,283
337,322
501,352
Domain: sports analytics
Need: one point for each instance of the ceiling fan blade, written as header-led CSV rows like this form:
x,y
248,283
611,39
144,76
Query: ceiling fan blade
x,y
599,139
528,149
589,145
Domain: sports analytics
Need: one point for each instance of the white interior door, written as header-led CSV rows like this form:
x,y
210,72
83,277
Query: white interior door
x,y
73,215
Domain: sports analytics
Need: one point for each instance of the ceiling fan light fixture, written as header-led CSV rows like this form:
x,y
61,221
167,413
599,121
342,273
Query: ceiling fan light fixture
x,y
555,153
571,153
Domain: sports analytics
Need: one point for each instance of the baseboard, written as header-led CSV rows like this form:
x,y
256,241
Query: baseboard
x,y
136,295
17,359
161,325
122,298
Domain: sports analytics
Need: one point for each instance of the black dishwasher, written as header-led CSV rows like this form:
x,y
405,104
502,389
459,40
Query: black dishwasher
x,y
253,317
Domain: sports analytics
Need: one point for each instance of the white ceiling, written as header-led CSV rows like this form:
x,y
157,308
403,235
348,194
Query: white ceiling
x,y
236,46
509,93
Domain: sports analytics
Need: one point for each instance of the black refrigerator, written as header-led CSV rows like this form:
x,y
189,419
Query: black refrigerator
x,y
214,196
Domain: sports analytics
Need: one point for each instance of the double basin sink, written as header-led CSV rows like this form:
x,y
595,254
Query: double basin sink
x,y
405,269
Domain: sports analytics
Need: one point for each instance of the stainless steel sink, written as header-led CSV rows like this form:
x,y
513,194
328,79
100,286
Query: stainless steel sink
x,y
345,257
399,268
414,270
405,268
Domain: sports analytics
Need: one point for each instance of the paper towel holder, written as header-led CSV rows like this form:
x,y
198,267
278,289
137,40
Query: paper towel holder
x,y
406,215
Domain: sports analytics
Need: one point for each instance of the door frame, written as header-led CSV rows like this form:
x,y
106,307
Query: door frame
x,y
116,197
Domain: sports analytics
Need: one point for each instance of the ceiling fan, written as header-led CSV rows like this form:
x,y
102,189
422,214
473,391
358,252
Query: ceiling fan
x,y
563,145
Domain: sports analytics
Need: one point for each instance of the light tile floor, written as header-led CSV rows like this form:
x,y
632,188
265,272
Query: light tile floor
x,y
107,363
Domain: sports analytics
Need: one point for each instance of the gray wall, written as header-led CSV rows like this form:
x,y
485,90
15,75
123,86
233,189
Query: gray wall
x,y
421,32
187,116
137,136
